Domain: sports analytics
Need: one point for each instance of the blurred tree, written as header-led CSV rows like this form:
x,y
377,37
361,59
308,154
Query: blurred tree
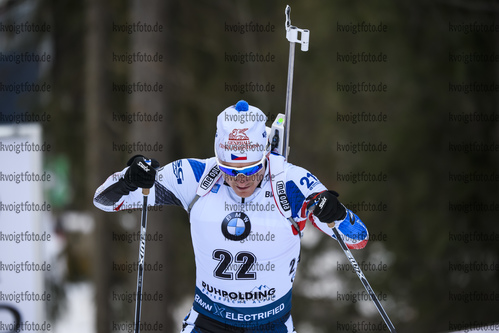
x,y
197,76
97,107
155,13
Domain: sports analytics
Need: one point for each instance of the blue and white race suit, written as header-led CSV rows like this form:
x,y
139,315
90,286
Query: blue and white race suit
x,y
246,251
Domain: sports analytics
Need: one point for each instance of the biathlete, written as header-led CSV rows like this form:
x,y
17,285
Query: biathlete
x,y
243,280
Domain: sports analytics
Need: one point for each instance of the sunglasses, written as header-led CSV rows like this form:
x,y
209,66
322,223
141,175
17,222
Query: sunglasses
x,y
246,171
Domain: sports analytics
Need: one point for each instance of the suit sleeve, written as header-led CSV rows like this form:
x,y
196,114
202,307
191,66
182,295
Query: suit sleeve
x,y
176,184
300,184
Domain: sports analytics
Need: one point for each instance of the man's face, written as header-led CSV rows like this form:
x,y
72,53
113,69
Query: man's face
x,y
243,186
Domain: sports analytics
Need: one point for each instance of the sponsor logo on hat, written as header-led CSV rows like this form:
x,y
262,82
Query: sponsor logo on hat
x,y
238,141
238,134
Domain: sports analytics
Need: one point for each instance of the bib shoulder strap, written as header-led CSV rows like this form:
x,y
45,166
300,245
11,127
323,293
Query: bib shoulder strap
x,y
277,175
209,178
196,198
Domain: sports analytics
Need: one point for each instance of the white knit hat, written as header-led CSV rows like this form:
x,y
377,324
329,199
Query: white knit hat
x,y
241,134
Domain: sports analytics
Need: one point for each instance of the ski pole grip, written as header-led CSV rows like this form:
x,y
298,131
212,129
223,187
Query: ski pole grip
x,y
145,191
330,225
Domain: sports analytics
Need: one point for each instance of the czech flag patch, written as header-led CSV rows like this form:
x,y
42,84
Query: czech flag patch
x,y
238,158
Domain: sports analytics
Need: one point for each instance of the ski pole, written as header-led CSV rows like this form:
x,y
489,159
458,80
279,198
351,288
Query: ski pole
x,y
357,270
364,281
292,37
142,252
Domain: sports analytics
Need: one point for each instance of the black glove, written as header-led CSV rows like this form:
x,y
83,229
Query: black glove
x,y
326,206
140,173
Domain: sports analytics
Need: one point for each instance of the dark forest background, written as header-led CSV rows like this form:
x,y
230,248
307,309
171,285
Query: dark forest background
x,y
438,190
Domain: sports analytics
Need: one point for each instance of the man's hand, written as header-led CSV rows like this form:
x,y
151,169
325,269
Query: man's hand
x,y
326,207
141,173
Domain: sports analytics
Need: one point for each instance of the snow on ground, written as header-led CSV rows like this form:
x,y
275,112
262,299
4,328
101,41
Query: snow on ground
x,y
79,315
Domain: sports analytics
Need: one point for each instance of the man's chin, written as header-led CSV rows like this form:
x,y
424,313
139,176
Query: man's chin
x,y
243,193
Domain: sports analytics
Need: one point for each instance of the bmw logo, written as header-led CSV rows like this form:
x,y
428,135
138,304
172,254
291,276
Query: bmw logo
x,y
236,226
